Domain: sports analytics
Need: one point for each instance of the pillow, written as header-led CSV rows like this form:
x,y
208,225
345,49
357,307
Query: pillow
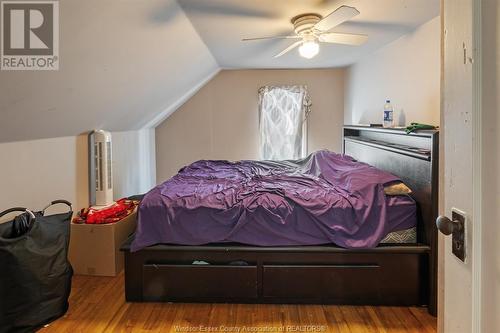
x,y
397,189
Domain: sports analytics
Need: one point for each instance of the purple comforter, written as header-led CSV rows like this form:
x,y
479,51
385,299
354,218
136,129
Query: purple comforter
x,y
324,198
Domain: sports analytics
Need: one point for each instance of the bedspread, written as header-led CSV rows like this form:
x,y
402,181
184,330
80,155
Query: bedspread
x,y
323,198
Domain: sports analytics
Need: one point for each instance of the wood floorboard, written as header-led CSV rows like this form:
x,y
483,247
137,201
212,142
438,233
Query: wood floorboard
x,y
97,304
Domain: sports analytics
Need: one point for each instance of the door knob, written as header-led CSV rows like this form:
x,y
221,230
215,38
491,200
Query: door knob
x,y
455,227
447,226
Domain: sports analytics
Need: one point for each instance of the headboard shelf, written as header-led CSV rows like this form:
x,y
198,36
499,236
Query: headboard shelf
x,y
390,130
412,157
420,139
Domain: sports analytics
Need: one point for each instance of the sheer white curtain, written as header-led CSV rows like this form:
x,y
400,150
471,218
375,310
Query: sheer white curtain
x,y
283,112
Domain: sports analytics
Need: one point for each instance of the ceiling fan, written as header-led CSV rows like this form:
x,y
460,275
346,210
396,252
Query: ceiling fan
x,y
312,29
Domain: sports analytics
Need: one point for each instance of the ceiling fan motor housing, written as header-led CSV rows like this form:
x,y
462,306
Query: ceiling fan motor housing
x,y
304,24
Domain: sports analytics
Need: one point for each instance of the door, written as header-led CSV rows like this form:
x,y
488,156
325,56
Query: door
x,y
459,118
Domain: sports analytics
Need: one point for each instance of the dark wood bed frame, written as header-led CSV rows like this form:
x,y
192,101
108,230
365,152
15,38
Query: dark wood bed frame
x,y
399,274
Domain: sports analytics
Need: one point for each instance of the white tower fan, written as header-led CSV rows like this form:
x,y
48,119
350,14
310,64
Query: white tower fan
x,y
100,169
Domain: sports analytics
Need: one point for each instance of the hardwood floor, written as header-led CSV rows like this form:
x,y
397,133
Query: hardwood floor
x,y
97,304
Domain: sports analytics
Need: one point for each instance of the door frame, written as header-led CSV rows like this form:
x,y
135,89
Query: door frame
x,y
475,54
477,115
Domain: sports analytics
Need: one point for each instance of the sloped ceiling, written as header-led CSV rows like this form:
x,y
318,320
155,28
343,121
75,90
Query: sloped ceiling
x,y
128,64
123,65
223,23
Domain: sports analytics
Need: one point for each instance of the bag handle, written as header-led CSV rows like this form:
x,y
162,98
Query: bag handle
x,y
17,209
59,201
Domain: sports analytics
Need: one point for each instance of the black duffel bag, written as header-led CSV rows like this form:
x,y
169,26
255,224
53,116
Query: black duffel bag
x,y
35,274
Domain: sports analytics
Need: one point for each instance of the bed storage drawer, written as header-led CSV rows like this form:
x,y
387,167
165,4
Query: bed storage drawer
x,y
184,282
344,284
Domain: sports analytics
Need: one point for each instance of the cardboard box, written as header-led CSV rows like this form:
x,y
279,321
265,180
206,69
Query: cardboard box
x,y
95,248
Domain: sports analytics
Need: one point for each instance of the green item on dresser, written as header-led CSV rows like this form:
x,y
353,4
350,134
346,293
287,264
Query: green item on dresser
x,y
416,126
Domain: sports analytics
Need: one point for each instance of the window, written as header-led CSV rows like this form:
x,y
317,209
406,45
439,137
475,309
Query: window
x,y
283,115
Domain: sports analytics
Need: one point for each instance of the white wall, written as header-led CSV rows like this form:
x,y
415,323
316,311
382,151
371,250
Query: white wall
x,y
221,120
33,173
491,165
407,72
134,162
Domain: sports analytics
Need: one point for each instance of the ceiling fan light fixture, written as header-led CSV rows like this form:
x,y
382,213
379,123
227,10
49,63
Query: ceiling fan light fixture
x,y
309,49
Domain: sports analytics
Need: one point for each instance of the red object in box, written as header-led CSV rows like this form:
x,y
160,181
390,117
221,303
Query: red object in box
x,y
111,214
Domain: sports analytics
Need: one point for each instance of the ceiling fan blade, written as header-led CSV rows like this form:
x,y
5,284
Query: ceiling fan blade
x,y
288,49
271,37
339,16
347,39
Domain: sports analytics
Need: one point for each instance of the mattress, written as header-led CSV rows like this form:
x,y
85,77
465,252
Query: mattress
x,y
323,199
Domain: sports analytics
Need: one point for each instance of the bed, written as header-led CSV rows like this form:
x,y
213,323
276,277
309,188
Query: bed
x,y
393,262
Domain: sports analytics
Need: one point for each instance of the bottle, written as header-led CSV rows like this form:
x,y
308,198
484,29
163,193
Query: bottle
x,y
388,114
